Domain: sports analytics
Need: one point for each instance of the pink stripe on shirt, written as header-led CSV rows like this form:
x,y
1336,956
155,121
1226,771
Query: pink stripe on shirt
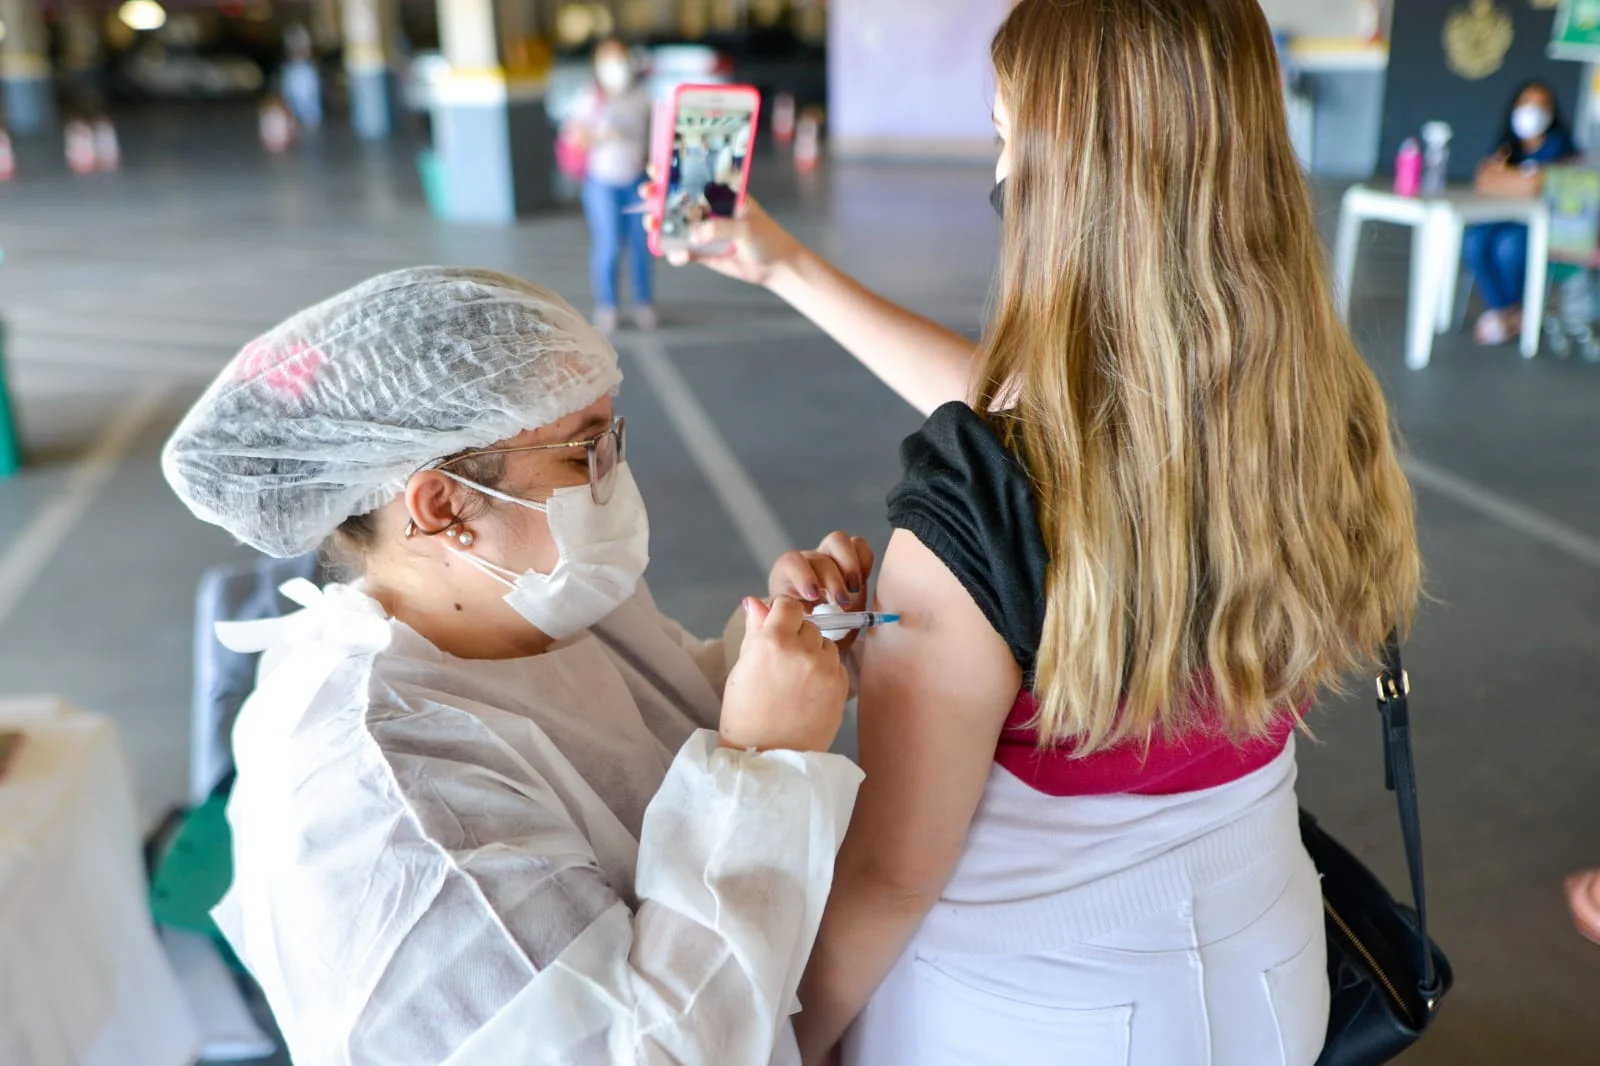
x,y
1164,767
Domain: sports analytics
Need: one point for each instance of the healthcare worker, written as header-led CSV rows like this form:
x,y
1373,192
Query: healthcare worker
x,y
492,806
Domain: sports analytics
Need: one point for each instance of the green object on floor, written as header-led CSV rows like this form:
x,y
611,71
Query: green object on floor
x,y
10,446
1561,273
434,190
195,870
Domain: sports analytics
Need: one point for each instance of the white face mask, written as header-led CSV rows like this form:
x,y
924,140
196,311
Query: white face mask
x,y
604,552
614,75
1530,121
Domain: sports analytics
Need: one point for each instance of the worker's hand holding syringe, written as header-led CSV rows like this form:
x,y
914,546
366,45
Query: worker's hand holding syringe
x,y
837,573
789,686
787,690
832,583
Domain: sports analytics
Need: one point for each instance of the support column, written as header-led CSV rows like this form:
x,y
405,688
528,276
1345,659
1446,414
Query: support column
x,y
911,78
493,142
25,69
368,30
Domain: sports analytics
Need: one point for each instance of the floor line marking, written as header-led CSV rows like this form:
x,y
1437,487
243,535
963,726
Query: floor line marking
x,y
758,525
38,542
1506,511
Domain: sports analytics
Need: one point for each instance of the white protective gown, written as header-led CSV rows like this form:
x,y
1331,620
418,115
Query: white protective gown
x,y
542,860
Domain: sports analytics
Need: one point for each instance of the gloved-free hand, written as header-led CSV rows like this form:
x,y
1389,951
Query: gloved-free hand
x,y
837,573
787,690
757,245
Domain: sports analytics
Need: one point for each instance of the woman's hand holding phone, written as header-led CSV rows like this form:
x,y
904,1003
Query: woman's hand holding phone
x,y
756,246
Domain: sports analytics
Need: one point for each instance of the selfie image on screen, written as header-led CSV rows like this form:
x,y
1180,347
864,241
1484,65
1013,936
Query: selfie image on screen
x,y
709,147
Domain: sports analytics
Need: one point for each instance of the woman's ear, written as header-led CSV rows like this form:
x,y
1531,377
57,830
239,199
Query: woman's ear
x,y
432,503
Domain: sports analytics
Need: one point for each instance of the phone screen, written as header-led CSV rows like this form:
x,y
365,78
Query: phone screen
x,y
711,139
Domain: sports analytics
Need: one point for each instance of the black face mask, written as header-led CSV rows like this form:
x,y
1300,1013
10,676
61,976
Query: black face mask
x,y
997,198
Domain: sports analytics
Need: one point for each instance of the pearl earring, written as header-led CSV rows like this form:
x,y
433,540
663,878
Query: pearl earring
x,y
466,538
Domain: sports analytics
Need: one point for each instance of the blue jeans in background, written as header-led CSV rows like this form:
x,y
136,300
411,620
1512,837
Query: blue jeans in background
x,y
609,228
1497,254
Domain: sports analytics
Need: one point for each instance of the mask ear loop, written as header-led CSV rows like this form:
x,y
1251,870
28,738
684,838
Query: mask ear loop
x,y
508,578
505,497
465,537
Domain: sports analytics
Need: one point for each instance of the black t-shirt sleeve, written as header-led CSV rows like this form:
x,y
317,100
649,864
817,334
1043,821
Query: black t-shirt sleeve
x,y
970,501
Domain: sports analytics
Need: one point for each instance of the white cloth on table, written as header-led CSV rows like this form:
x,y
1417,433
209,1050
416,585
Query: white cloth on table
x,y
535,860
83,979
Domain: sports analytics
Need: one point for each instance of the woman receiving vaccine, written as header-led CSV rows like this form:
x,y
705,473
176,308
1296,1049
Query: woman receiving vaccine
x,y
1151,515
613,123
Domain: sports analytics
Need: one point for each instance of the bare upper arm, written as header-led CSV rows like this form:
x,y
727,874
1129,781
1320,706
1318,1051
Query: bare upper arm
x,y
935,693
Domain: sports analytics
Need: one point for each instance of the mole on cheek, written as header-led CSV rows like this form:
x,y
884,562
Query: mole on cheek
x,y
458,607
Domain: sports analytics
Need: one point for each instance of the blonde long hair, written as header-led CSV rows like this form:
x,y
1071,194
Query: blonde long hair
x,y
1217,481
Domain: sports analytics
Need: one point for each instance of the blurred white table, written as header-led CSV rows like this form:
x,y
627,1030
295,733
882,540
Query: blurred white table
x,y
1438,224
83,979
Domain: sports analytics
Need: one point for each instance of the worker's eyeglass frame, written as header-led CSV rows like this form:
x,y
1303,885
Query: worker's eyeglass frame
x,y
606,451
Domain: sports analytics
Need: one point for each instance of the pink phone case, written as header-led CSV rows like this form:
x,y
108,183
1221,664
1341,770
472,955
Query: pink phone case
x,y
663,129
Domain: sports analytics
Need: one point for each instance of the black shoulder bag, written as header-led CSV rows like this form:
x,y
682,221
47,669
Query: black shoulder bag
x,y
1387,976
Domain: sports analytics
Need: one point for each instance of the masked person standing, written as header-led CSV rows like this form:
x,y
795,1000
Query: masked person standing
x,y
613,123
492,806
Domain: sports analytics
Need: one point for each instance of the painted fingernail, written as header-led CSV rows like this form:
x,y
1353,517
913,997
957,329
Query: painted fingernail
x,y
855,590
813,593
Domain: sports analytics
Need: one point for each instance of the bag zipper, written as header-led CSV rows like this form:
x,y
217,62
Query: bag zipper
x,y
1372,963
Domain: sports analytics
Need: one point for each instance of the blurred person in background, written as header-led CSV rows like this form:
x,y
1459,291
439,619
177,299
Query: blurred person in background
x,y
302,81
722,192
1535,135
1163,511
695,166
492,806
612,124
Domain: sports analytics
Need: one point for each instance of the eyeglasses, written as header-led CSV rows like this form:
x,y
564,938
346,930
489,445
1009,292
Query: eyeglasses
x,y
606,453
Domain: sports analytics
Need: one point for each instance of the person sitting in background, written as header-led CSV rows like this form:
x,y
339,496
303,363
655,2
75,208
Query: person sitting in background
x,y
1535,135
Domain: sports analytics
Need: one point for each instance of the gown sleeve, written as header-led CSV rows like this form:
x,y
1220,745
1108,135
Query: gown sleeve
x,y
735,862
410,892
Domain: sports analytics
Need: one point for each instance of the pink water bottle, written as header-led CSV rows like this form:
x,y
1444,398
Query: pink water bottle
x,y
1408,168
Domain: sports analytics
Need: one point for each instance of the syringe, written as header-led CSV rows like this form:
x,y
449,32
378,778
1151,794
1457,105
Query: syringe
x,y
849,621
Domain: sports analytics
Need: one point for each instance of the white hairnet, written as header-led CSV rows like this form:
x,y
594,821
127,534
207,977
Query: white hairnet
x,y
327,415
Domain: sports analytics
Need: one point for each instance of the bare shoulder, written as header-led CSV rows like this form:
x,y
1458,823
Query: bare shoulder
x,y
943,644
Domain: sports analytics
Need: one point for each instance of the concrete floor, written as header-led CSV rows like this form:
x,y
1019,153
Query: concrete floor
x,y
126,293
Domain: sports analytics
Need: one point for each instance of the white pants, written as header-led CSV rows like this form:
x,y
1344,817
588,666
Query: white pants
x,y
1233,974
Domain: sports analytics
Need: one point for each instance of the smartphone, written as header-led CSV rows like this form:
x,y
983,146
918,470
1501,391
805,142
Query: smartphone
x,y
702,145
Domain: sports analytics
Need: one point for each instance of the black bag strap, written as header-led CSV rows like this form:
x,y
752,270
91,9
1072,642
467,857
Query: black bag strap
x,y
1400,777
